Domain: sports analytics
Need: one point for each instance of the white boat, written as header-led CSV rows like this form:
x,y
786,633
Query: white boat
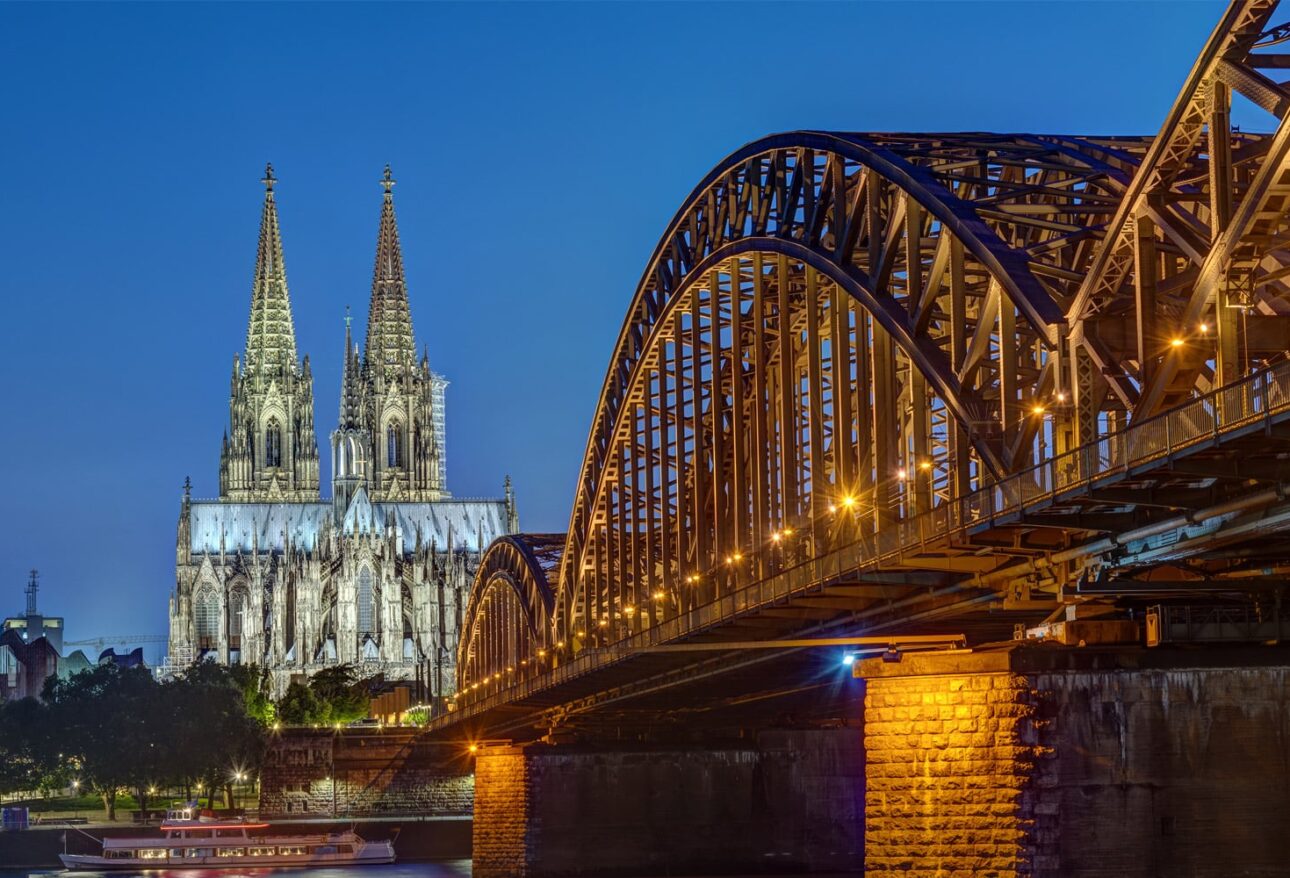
x,y
191,842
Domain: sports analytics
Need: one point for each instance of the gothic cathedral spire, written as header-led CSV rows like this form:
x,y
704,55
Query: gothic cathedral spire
x,y
403,401
270,451
270,333
390,342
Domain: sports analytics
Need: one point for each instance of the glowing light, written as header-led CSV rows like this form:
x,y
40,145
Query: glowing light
x,y
511,669
277,727
629,610
848,660
338,727
542,652
902,474
1037,409
788,531
924,465
1175,342
603,622
658,595
738,556
848,501
776,537
832,509
559,644
1061,396
474,748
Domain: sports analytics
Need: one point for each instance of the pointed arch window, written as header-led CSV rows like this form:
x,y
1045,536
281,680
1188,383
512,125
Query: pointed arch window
x,y
206,617
273,444
394,445
236,611
366,604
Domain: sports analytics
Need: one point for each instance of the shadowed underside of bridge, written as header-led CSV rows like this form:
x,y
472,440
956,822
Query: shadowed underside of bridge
x,y
913,384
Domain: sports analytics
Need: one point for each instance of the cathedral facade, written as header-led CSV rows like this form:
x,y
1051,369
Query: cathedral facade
x,y
378,576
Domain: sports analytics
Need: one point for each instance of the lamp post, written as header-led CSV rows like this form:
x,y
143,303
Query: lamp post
x,y
76,795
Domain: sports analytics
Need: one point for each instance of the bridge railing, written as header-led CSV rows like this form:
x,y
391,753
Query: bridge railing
x,y
1249,401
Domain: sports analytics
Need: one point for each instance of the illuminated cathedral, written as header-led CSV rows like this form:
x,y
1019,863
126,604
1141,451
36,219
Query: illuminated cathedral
x,y
270,572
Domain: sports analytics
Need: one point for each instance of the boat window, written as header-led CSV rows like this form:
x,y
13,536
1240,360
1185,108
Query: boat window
x,y
291,850
346,849
118,855
152,853
232,852
199,852
323,849
176,853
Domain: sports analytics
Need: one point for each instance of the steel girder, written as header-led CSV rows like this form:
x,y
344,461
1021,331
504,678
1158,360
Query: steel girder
x,y
506,620
884,322
944,262
1196,253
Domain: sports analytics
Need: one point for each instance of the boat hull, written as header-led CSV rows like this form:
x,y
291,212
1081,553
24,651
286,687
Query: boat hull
x,y
85,863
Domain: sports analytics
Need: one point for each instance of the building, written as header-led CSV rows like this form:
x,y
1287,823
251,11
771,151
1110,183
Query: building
x,y
378,576
31,625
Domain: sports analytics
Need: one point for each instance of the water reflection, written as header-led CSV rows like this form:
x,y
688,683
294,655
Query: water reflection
x,y
454,869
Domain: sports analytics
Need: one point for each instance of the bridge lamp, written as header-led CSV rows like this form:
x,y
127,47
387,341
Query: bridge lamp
x,y
524,662
629,610
559,644
776,537
603,622
1175,342
1038,410
848,660
848,501
925,465
473,748
541,653
1204,328
658,595
510,669
832,509
788,532
902,474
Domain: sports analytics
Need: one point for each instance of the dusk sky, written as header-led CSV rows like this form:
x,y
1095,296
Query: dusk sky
x,y
540,150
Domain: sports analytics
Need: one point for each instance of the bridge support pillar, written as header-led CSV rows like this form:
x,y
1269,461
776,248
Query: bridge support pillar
x,y
787,800
1043,760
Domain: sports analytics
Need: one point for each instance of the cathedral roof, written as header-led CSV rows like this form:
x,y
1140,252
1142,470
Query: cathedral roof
x,y
270,333
389,319
249,526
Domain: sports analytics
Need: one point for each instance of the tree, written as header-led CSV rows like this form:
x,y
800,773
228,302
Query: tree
x,y
24,762
333,695
112,727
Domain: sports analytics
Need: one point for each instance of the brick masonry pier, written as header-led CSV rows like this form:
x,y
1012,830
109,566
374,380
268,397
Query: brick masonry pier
x,y
787,800
1042,760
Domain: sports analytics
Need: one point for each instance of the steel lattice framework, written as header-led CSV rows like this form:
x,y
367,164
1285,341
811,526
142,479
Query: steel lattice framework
x,y
883,323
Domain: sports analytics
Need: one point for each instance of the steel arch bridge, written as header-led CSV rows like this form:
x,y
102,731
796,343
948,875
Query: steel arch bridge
x,y
925,353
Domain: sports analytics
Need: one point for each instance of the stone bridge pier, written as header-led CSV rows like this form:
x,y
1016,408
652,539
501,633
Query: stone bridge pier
x,y
1029,759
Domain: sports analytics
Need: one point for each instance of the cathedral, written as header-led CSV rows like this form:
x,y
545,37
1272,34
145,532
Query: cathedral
x,y
378,577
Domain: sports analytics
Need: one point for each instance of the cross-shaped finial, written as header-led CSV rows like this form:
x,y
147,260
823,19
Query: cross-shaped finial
x,y
347,317
188,486
387,180
269,179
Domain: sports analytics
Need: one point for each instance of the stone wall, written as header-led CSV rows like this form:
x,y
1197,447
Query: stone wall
x,y
790,800
358,772
1050,761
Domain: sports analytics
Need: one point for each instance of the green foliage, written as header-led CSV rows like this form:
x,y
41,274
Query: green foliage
x,y
333,695
111,729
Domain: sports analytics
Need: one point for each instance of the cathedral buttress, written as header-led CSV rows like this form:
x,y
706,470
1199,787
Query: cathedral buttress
x,y
270,451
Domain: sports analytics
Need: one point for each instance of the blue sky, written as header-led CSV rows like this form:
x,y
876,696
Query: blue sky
x,y
539,149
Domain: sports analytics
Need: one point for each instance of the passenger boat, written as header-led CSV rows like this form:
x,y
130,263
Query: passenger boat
x,y
189,841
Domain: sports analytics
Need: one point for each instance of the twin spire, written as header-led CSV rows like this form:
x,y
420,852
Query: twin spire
x,y
270,334
389,321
